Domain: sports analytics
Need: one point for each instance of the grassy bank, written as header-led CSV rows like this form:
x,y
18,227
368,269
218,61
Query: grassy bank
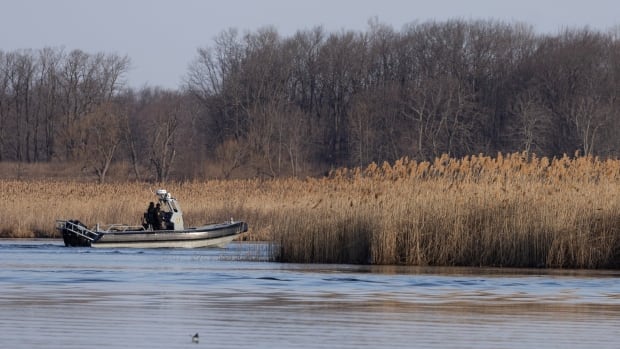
x,y
478,211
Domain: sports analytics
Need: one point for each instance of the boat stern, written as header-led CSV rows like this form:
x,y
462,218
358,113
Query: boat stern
x,y
75,233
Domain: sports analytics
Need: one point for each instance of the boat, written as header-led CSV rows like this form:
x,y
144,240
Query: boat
x,y
162,227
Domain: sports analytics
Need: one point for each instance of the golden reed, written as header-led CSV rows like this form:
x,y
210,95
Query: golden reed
x,y
513,210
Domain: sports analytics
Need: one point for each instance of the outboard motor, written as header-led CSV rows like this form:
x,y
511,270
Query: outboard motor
x,y
75,234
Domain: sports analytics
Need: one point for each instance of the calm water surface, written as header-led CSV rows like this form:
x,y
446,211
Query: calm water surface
x,y
57,297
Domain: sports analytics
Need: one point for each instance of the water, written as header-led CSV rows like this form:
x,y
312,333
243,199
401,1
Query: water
x,y
57,297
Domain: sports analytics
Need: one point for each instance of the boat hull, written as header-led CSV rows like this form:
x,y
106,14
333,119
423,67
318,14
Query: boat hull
x,y
212,235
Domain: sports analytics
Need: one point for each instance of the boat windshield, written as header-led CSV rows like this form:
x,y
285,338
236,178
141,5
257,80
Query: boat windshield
x,y
173,206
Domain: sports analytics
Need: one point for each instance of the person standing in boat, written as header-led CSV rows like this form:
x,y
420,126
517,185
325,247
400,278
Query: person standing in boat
x,y
157,216
150,215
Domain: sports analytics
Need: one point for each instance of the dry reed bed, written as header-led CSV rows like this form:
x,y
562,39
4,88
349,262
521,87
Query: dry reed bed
x,y
512,210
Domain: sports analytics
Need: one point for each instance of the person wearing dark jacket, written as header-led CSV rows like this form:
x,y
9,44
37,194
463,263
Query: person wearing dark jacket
x,y
150,215
157,217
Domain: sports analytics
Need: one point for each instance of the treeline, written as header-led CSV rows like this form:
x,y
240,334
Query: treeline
x,y
259,104
74,108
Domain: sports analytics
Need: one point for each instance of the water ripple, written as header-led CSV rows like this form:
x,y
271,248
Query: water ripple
x,y
57,297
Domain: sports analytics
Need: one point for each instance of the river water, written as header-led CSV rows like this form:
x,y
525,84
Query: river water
x,y
57,297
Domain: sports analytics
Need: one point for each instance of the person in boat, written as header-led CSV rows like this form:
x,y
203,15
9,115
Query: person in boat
x,y
157,218
150,215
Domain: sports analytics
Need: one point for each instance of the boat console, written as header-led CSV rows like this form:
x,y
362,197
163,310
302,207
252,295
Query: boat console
x,y
172,215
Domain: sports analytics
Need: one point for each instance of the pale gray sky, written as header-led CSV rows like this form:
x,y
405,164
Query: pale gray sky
x,y
161,36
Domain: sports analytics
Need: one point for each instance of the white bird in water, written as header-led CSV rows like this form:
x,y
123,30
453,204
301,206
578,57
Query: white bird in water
x,y
195,338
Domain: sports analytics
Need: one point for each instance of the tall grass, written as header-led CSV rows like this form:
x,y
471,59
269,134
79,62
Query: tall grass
x,y
512,210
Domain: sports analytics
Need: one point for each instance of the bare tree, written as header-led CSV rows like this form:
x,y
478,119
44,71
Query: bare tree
x,y
362,132
231,155
86,81
101,134
531,127
574,78
48,112
214,78
6,67
162,131
275,142
20,74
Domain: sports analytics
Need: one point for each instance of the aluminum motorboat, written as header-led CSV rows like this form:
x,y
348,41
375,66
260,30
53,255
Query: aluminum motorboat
x,y
162,227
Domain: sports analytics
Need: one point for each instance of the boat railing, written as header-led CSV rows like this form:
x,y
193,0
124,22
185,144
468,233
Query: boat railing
x,y
78,229
122,227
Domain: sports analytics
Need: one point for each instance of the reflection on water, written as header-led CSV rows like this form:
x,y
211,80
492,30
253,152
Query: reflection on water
x,y
57,297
